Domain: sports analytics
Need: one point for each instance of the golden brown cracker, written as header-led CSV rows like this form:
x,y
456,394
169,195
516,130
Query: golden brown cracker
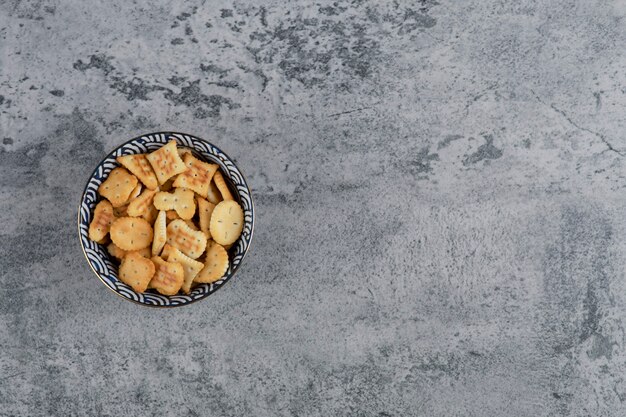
x,y
226,222
166,162
221,185
160,234
213,195
198,175
103,217
118,186
131,233
140,167
136,271
191,242
190,266
205,209
168,277
180,200
172,215
215,265
140,205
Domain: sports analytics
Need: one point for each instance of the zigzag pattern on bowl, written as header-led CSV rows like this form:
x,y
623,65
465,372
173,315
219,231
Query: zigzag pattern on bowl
x,y
98,256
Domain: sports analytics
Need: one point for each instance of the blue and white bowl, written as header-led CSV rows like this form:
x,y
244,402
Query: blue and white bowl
x,y
97,255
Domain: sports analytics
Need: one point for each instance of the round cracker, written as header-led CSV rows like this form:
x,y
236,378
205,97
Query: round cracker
x,y
131,233
226,222
215,265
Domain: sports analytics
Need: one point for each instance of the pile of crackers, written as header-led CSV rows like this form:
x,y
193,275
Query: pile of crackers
x,y
160,213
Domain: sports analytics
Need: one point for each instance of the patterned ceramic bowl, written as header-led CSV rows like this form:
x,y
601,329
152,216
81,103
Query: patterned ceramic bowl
x,y
97,255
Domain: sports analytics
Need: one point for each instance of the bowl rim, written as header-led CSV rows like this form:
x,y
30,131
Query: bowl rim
x,y
167,133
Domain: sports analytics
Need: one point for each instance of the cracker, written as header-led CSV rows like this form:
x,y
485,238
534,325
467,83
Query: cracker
x,y
180,200
118,186
103,217
190,266
226,222
168,277
131,233
215,265
140,167
166,163
205,209
136,271
140,205
172,215
190,242
214,195
160,234
198,175
221,185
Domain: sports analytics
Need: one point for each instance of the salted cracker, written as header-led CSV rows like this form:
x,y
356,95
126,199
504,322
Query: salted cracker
x,y
191,242
136,271
198,175
215,264
138,164
131,233
166,162
118,186
168,277
226,222
140,205
191,267
103,217
160,234
180,200
221,185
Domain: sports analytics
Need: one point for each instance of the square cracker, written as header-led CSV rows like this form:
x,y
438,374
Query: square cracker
x,y
168,278
118,186
190,242
138,164
166,162
198,175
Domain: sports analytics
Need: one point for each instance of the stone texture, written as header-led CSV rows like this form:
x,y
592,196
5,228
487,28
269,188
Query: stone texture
x,y
440,196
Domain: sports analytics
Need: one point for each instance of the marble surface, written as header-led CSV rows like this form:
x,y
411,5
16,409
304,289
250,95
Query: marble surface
x,y
439,189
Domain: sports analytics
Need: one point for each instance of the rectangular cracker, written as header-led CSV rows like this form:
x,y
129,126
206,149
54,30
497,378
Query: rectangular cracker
x,y
138,164
198,175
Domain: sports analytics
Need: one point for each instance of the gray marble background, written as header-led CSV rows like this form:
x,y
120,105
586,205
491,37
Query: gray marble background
x,y
440,196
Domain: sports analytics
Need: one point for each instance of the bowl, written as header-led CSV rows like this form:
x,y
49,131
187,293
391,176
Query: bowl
x,y
97,255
